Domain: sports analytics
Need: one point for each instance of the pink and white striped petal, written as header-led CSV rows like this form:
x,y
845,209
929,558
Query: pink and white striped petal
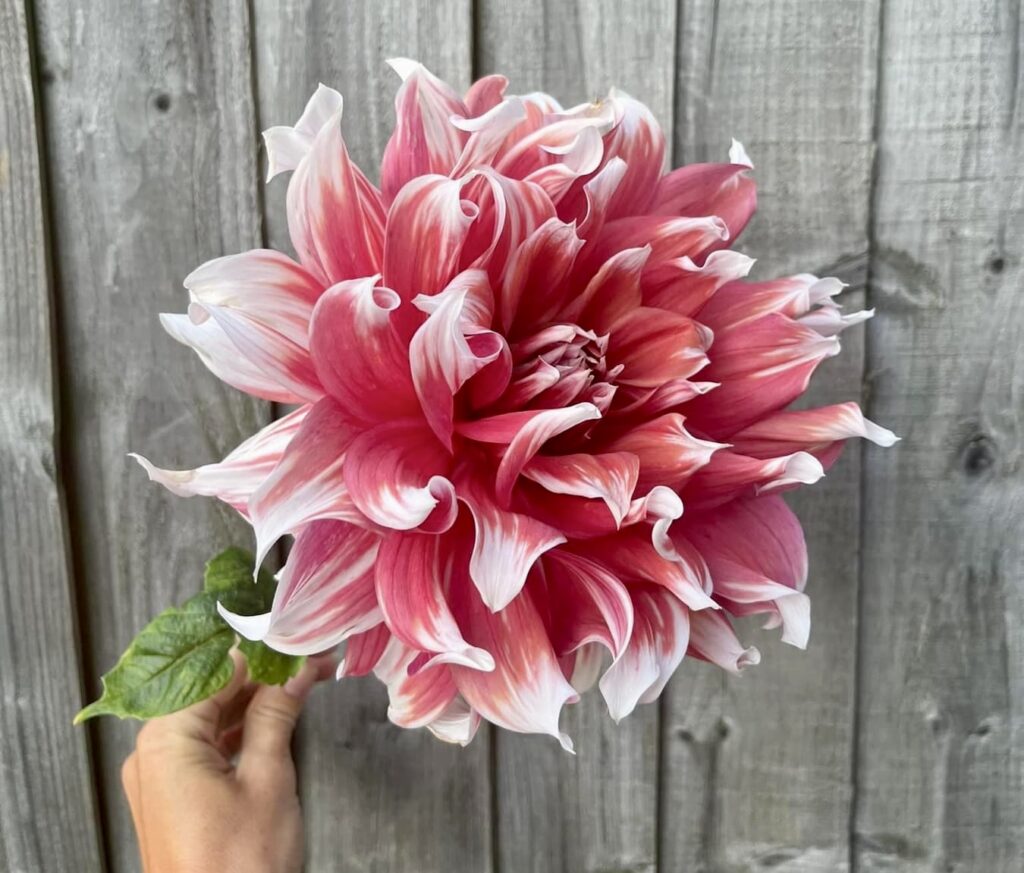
x,y
417,697
412,576
655,346
363,651
729,475
667,452
287,146
325,593
713,639
396,475
810,430
611,477
234,479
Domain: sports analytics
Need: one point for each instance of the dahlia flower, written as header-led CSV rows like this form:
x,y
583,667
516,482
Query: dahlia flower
x,y
514,363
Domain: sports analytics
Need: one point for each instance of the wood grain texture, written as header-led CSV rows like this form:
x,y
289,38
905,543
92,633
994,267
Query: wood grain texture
x,y
377,798
152,161
941,760
757,769
48,818
597,811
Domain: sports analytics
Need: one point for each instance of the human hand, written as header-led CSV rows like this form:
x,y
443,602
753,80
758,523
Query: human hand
x,y
195,809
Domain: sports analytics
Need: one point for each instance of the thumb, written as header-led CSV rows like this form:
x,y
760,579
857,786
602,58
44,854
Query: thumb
x,y
270,722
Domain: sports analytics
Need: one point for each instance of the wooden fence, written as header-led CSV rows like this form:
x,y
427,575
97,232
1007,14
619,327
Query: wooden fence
x,y
887,139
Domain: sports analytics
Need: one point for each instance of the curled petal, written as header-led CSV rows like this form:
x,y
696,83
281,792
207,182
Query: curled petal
x,y
610,477
358,355
729,475
527,689
713,639
363,651
810,430
669,238
487,132
505,546
335,216
655,346
287,146
637,139
536,431
225,360
427,226
661,633
394,472
738,304
411,577
447,350
599,191
668,453
325,593
486,93
681,286
457,723
424,141
234,479
416,697
307,484
612,292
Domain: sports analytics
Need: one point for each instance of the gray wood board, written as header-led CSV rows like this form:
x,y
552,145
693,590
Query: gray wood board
x,y
596,811
376,797
48,818
941,761
757,768
152,157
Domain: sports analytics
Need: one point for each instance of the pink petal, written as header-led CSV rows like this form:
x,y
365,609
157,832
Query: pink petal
x,y
612,292
531,437
762,368
427,226
447,350
227,362
637,139
487,132
412,576
363,651
668,453
234,479
683,287
661,633
287,146
325,593
485,93
610,477
729,475
598,193
527,689
713,639
307,484
424,140
669,238
737,304
395,474
335,216
505,546
655,346
358,355
457,723
589,602
709,189
811,430
416,697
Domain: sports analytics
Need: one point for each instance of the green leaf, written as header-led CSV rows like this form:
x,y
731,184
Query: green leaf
x,y
232,570
267,666
179,658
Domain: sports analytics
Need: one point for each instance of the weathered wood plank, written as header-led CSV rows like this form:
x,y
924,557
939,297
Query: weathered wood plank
x,y
376,798
596,811
48,819
758,769
152,150
941,757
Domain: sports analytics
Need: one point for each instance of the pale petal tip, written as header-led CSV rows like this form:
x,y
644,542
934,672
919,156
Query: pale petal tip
x,y
880,436
405,67
738,154
252,627
173,480
749,657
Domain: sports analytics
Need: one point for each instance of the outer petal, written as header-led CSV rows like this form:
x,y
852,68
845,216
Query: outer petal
x,y
729,475
307,484
357,352
412,576
427,226
811,430
669,238
226,361
287,146
527,689
443,357
761,368
417,697
758,560
363,651
506,544
234,479
325,593
638,140
681,286
485,93
424,141
713,639
610,477
487,132
661,633
335,216
457,724
668,453
394,472
741,303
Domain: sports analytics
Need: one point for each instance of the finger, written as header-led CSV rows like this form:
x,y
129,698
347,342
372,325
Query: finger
x,y
270,722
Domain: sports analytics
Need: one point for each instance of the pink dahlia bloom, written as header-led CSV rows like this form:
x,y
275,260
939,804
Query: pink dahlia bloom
x,y
515,362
